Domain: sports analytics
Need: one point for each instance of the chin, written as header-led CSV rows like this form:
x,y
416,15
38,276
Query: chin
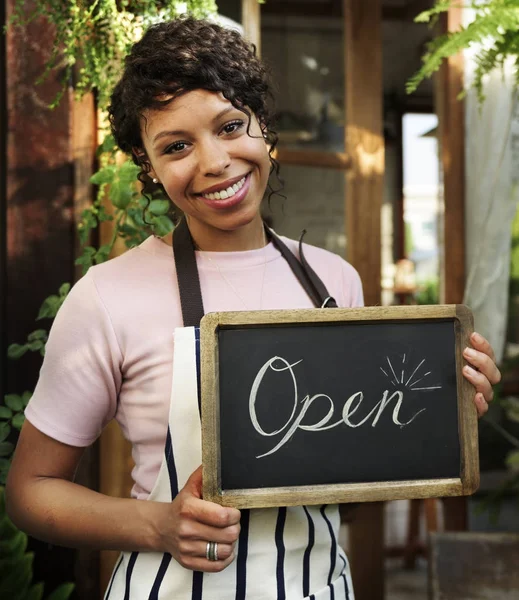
x,y
235,222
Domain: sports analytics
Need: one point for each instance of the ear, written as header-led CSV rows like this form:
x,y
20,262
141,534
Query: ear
x,y
142,159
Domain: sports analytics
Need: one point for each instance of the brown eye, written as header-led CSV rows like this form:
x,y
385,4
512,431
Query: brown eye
x,y
175,148
232,126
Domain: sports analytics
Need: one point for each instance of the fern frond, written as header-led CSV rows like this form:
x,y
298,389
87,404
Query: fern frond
x,y
495,27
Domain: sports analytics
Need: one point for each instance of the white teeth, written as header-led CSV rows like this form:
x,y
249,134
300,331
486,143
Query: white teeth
x,y
224,194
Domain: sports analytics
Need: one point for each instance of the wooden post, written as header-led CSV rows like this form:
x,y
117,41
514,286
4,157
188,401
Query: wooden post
x,y
250,11
451,113
364,143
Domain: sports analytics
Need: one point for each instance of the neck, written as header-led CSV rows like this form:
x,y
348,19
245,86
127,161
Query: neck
x,y
248,237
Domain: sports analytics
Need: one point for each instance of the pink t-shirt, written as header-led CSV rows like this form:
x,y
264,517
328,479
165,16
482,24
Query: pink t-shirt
x,y
109,353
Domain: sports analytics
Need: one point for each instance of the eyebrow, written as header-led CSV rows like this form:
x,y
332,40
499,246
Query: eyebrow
x,y
182,132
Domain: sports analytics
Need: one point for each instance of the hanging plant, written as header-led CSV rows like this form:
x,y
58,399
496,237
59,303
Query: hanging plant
x,y
495,28
92,37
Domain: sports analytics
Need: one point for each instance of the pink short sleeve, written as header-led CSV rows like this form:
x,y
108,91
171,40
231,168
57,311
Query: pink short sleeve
x,y
76,394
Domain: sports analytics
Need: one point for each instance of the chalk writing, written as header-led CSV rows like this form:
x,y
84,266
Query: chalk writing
x,y
300,408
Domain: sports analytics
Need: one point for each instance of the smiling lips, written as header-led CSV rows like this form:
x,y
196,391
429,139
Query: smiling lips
x,y
227,193
228,197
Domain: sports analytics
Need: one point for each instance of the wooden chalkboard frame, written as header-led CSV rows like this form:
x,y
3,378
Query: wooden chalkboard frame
x,y
466,484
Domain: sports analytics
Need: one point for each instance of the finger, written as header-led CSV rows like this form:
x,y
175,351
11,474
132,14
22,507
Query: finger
x,y
480,382
197,563
484,363
193,530
198,549
209,513
481,344
194,484
481,404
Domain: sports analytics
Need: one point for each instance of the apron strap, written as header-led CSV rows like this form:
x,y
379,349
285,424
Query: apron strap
x,y
304,273
189,281
187,275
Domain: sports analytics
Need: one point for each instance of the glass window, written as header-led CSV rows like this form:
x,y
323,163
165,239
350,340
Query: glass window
x,y
315,202
306,55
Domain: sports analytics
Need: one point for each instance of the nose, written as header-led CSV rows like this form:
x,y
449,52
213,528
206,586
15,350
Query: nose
x,y
213,157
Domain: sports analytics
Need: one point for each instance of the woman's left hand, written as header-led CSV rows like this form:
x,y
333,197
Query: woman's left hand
x,y
482,371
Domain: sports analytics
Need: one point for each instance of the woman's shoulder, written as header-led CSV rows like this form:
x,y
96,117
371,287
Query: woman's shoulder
x,y
145,261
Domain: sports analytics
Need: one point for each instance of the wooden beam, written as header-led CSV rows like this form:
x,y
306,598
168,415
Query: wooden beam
x,y
451,112
364,141
250,16
451,127
364,144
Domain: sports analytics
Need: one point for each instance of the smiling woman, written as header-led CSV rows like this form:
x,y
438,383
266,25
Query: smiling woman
x,y
191,108
213,162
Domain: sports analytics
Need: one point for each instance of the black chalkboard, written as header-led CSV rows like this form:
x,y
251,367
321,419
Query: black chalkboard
x,y
326,403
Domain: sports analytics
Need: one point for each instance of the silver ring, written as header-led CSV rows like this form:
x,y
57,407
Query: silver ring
x,y
211,551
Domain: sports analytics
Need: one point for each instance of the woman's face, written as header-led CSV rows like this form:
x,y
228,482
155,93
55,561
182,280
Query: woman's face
x,y
209,165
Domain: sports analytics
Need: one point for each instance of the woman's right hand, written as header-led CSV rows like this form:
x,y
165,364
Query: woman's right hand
x,y
193,522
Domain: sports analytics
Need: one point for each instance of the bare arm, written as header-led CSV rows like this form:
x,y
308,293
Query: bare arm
x,y
43,501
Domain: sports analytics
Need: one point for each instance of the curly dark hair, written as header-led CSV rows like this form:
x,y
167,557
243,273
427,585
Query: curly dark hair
x,y
179,56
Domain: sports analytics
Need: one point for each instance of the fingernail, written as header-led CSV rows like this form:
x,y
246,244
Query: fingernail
x,y
477,338
469,370
470,352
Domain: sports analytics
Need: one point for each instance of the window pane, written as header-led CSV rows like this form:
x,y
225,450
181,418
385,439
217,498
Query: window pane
x,y
315,202
306,56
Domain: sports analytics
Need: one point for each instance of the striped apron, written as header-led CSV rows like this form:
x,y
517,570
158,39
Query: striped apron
x,y
288,553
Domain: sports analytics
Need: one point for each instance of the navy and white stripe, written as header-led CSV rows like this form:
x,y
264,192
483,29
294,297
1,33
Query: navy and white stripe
x,y
285,554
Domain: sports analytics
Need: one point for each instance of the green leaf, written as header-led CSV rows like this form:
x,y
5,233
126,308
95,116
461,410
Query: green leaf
x,y
50,307
87,258
5,412
102,215
14,547
64,289
18,421
87,223
102,254
16,577
26,396
5,430
14,402
104,175
6,448
34,346
108,145
15,351
4,469
120,194
62,592
128,172
35,592
39,334
159,207
162,225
